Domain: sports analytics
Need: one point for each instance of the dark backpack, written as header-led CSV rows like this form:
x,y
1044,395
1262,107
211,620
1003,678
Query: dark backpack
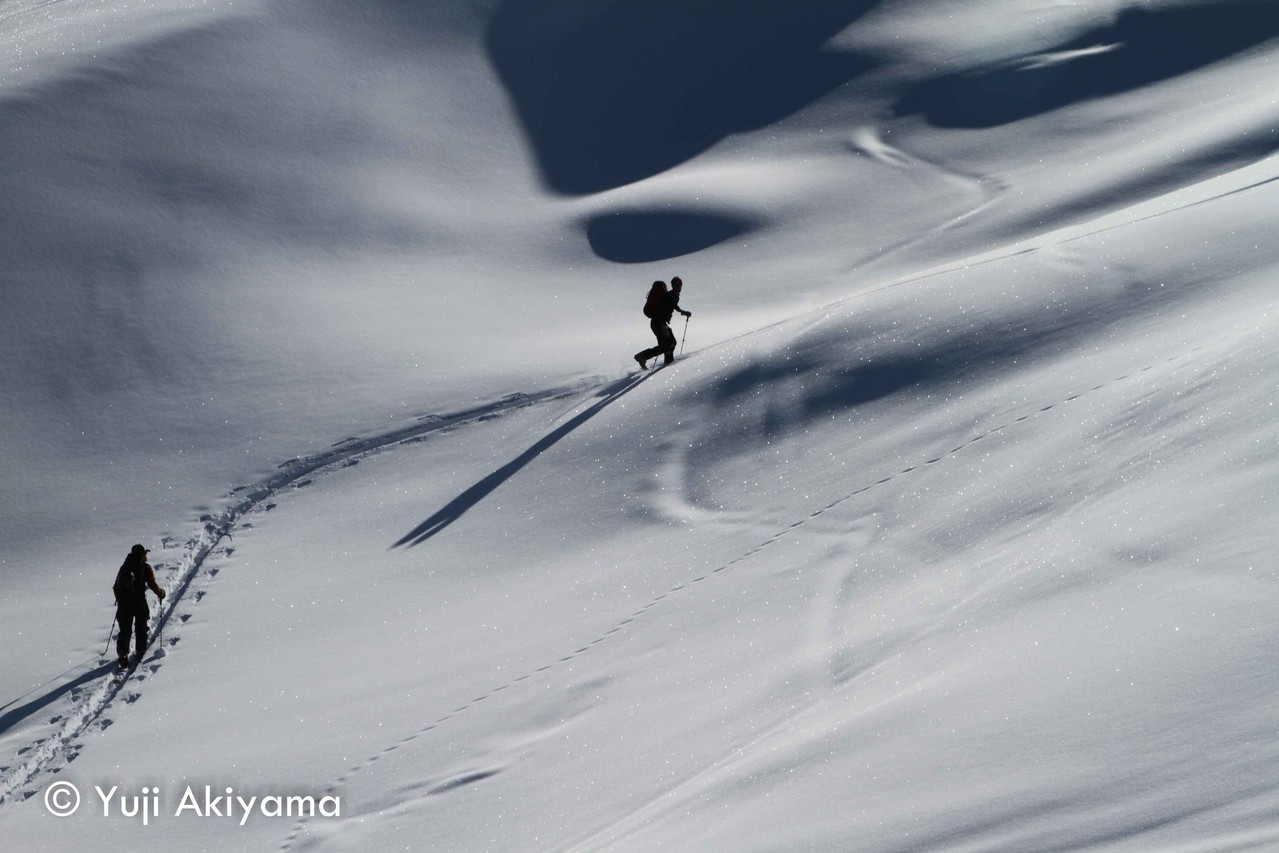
x,y
653,304
130,581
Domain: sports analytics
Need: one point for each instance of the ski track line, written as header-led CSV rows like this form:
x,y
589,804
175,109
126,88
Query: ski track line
x,y
52,753
786,529
1020,248
989,187
1013,250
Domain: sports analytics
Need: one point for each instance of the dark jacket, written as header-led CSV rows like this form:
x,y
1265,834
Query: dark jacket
x,y
143,576
667,305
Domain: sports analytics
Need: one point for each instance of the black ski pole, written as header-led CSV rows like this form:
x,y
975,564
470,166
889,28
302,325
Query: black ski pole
x,y
681,340
110,633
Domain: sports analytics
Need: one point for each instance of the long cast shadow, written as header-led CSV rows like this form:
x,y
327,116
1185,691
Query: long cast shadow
x,y
12,718
458,507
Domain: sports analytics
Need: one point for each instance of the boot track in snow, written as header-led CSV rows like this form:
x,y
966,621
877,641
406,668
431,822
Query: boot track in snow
x,y
49,755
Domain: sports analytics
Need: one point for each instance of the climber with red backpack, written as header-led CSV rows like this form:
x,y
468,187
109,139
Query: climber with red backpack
x,y
659,307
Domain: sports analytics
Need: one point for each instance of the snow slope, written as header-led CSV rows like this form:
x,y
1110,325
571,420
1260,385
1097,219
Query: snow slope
x,y
951,531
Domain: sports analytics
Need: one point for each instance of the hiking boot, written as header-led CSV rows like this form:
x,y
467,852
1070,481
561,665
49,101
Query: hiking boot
x,y
643,362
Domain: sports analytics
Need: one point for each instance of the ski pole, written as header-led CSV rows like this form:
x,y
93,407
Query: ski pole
x,y
681,340
160,621
110,633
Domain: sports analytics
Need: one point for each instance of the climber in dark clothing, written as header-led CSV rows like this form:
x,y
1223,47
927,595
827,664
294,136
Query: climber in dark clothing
x,y
130,589
659,308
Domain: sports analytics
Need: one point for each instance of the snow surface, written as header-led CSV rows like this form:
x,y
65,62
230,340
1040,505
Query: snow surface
x,y
952,530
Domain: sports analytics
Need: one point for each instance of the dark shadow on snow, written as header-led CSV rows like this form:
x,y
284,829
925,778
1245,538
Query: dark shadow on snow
x,y
784,394
458,507
637,236
614,91
836,388
11,718
1143,46
771,400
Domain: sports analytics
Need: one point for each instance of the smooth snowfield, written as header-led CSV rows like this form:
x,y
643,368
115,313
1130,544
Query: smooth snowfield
x,y
952,530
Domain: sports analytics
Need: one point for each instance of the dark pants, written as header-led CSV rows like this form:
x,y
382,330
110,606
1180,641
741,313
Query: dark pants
x,y
133,617
665,341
